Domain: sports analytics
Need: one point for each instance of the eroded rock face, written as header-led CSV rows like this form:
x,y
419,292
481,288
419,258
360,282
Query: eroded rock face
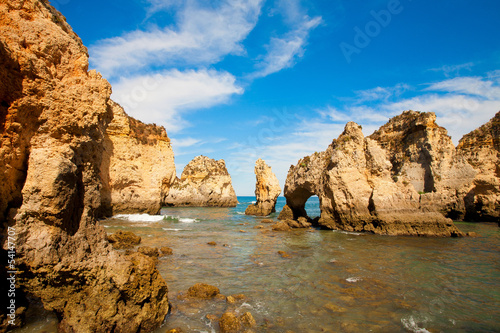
x,y
204,183
361,189
422,153
138,165
481,148
53,118
267,190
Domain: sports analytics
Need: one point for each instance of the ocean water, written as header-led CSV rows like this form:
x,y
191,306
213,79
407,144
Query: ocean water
x,y
331,281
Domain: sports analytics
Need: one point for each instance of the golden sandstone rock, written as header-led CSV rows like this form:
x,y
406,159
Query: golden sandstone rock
x,y
204,183
267,190
53,118
404,179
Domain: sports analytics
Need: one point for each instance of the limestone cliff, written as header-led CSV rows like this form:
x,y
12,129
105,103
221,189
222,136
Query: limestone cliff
x,y
53,118
421,152
481,148
373,183
138,165
267,190
204,183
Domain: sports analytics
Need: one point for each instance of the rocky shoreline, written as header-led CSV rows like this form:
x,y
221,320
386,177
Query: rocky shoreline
x,y
71,155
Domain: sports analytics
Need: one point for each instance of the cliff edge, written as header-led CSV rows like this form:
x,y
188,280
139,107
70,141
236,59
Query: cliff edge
x,y
53,118
137,166
481,148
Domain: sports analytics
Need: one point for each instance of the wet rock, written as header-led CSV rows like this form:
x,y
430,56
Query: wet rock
x,y
286,213
267,221
175,330
259,227
123,239
152,252
267,190
203,291
166,251
232,299
212,243
229,323
281,226
247,320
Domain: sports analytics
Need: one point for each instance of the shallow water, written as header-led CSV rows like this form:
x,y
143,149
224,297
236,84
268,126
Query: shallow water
x,y
332,282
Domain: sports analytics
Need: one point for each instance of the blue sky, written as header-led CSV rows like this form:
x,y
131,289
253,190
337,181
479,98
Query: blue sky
x,y
278,79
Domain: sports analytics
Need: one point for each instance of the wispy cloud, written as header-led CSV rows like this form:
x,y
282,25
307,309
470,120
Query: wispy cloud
x,y
283,52
163,97
201,36
381,93
453,70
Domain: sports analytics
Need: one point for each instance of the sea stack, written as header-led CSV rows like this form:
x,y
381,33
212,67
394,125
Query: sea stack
x,y
204,182
53,119
399,181
267,190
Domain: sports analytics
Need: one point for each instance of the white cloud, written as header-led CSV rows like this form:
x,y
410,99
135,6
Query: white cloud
x,y
201,36
284,52
163,97
475,86
185,142
381,93
453,70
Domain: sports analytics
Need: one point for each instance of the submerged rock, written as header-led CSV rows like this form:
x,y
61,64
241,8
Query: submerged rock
x,y
123,239
267,190
203,291
166,251
53,119
230,323
152,252
203,183
280,226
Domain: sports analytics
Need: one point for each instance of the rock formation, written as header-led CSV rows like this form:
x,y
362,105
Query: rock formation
x,y
398,181
267,190
53,118
138,166
204,183
481,148
423,154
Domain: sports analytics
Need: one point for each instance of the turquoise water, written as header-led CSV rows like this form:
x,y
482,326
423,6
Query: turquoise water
x,y
331,282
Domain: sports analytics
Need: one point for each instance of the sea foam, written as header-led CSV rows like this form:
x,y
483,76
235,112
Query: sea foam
x,y
140,217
